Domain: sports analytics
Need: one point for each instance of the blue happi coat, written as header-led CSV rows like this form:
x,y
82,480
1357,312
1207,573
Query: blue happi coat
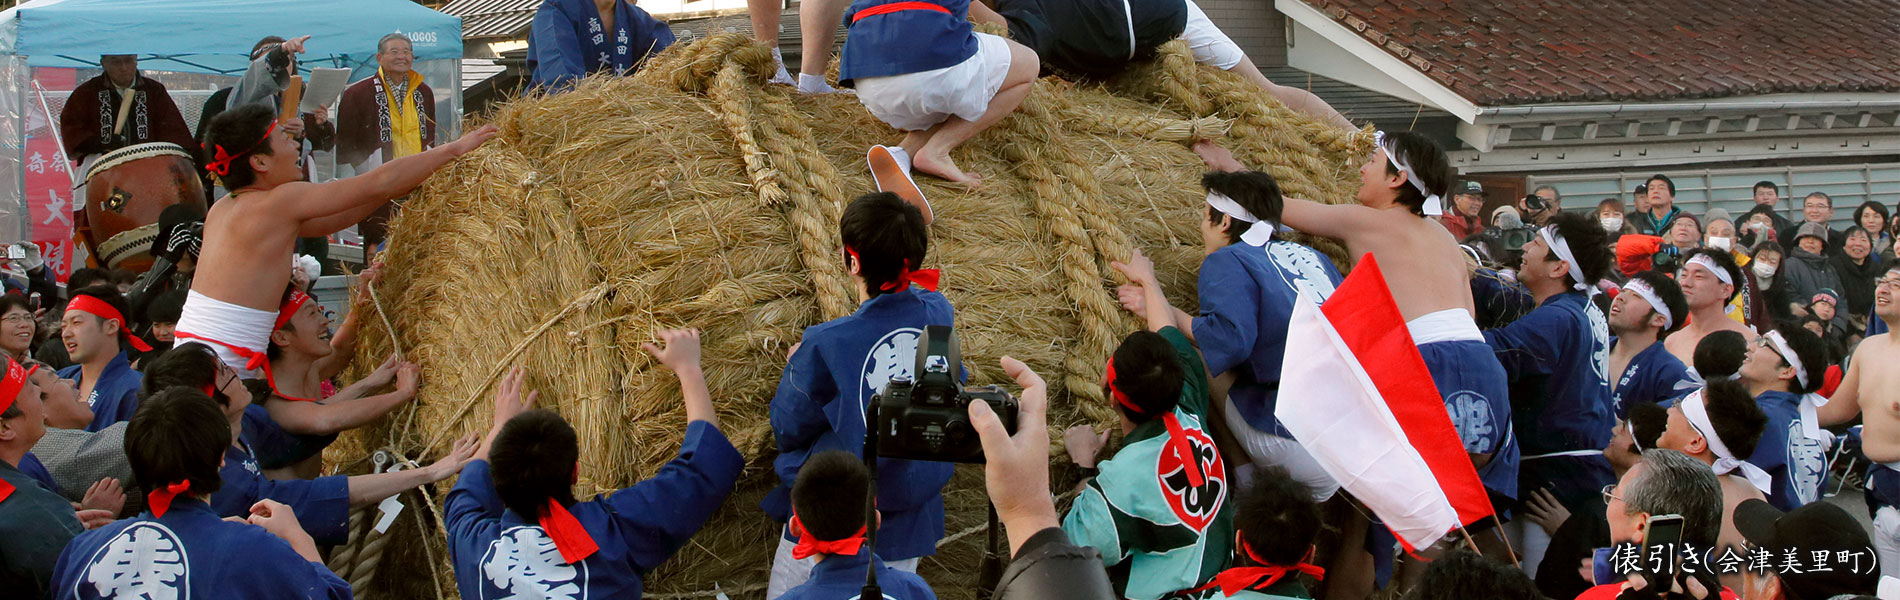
x,y
1798,464
1653,376
322,504
1563,419
568,41
499,554
840,364
905,41
114,397
1247,295
189,553
842,577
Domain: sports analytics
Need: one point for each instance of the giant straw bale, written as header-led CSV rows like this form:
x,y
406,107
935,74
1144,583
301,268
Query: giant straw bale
x,y
694,195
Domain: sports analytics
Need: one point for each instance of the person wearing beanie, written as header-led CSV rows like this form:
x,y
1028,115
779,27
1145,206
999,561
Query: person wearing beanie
x,y
1807,269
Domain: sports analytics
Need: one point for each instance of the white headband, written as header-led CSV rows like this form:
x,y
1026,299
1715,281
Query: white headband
x,y
1562,249
1434,206
1705,262
1257,235
1648,294
1788,355
1697,412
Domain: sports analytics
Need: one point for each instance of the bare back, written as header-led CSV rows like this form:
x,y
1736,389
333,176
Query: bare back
x,y
1421,262
1878,389
247,247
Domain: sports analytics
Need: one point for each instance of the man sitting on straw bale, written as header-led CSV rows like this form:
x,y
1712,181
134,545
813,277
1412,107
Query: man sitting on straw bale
x,y
570,40
1160,506
1400,185
1099,38
300,420
840,364
831,527
919,66
325,502
515,529
180,547
243,268
1249,283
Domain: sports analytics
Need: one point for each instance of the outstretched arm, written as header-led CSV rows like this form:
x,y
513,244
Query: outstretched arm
x,y
324,208
370,489
1154,304
681,354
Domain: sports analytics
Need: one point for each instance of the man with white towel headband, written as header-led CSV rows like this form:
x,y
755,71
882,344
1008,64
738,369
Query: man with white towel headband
x,y
1709,280
1650,307
1558,360
1721,425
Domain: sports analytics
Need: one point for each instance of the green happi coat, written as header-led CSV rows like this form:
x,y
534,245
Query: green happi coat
x,y
1157,533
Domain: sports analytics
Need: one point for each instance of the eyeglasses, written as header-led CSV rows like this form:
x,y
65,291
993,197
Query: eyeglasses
x,y
1607,496
16,318
1887,282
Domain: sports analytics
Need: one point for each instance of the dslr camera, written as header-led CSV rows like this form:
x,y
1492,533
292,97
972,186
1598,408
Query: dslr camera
x,y
926,416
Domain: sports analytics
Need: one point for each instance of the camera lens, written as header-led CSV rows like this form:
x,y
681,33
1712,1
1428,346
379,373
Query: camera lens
x,y
958,432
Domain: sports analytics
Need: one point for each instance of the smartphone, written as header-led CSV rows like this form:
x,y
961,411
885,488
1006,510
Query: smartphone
x,y
15,252
1661,553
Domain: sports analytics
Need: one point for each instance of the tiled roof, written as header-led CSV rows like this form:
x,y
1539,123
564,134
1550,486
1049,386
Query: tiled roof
x,y
493,18
1500,53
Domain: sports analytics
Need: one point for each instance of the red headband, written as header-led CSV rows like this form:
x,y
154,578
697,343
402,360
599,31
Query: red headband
x,y
221,163
1177,435
569,537
928,279
809,545
161,499
14,381
1263,575
296,301
99,308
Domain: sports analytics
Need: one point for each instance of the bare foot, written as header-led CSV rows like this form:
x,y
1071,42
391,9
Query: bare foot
x,y
939,165
1217,157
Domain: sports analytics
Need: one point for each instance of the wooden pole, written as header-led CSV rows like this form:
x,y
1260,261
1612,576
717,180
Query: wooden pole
x,y
1507,539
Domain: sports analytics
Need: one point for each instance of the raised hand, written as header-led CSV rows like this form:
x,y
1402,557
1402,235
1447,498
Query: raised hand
x,y
1016,468
105,495
681,350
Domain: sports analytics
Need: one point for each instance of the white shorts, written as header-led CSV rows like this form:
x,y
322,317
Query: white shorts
x,y
225,327
1211,47
1269,450
919,101
788,572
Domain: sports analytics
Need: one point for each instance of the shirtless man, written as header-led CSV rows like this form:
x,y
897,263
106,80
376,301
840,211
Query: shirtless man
x,y
245,264
1721,425
1871,389
1401,184
1709,280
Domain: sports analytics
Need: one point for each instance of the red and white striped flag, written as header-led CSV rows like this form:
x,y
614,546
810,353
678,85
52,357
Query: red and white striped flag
x,y
1356,393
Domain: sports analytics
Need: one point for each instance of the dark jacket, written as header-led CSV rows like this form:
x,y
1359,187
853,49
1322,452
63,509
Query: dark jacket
x,y
1857,282
1048,567
1807,273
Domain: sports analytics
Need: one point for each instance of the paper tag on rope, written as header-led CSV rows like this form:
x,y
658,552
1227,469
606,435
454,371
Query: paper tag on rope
x,y
719,594
389,509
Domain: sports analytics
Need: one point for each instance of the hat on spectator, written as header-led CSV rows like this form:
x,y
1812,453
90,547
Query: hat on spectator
x,y
1717,214
1816,527
1685,216
1469,188
1827,295
1815,230
1502,210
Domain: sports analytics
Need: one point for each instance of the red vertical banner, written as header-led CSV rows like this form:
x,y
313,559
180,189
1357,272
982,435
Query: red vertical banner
x,y
49,179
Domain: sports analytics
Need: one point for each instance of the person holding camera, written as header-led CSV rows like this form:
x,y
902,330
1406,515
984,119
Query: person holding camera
x,y
513,522
829,502
1540,205
1638,252
1160,506
1248,285
841,364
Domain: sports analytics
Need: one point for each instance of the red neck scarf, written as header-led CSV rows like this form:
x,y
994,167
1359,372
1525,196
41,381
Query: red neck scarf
x,y
161,499
809,545
569,537
927,278
99,308
1238,579
220,164
1177,435
10,387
